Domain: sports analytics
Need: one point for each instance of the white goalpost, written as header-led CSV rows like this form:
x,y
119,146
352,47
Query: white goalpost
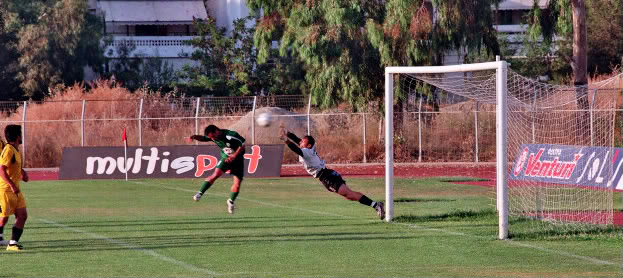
x,y
557,166
501,131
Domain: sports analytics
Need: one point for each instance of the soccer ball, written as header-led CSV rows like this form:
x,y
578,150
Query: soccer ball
x,y
264,119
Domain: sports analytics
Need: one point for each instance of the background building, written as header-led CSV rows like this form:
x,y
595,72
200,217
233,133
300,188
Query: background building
x,y
151,29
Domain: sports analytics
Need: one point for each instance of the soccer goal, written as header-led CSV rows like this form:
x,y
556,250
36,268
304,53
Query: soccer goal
x,y
554,145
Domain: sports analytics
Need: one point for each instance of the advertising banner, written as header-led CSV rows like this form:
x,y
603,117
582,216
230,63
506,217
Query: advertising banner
x,y
188,161
574,165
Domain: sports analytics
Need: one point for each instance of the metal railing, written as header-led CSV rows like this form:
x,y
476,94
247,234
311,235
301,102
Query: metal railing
x,y
427,135
151,46
150,41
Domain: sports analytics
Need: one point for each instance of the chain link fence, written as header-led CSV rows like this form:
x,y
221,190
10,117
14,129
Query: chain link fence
x,y
428,129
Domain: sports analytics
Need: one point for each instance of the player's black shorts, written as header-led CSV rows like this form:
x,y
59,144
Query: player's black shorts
x,y
331,179
236,167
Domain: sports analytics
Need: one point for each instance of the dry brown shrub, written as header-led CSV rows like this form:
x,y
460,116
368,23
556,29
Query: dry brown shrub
x,y
55,123
421,23
270,21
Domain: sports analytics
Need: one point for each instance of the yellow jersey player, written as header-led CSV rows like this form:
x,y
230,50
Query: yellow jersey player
x,y
2,144
11,198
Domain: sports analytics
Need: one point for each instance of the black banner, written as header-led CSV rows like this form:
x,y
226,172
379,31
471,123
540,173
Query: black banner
x,y
188,161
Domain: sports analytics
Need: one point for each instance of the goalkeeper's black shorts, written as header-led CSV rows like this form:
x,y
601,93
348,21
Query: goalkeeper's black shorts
x,y
331,179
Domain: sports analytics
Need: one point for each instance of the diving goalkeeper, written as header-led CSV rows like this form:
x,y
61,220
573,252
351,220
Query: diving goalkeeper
x,y
306,149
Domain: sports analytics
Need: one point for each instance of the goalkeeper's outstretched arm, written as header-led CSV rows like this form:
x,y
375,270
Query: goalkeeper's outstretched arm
x,y
292,141
294,148
293,137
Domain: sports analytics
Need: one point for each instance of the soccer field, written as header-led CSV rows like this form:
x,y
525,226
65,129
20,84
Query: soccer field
x,y
286,227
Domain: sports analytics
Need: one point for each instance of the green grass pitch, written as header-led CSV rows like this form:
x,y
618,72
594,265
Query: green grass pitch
x,y
286,227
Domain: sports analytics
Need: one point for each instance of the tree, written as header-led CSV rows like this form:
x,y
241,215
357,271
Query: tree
x,y
227,64
131,69
345,45
604,25
55,40
9,85
570,31
579,64
548,48
211,74
328,38
579,61
584,36
126,69
409,35
285,76
157,74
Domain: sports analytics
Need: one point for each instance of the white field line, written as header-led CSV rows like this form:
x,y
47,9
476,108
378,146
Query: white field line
x,y
511,242
557,252
133,247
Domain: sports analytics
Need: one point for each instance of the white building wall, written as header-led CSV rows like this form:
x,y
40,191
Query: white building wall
x,y
152,46
178,63
92,4
117,29
226,11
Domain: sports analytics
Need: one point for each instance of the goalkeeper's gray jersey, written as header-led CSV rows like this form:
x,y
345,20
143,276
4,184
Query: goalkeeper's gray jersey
x,y
312,162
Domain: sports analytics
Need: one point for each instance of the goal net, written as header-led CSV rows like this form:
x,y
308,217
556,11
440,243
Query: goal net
x,y
556,164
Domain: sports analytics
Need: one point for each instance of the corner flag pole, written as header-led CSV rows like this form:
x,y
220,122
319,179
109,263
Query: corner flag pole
x,y
125,153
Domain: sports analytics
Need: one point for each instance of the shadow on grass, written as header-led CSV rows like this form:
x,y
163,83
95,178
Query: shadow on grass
x,y
173,227
110,235
461,179
178,222
532,229
523,228
422,200
457,215
197,240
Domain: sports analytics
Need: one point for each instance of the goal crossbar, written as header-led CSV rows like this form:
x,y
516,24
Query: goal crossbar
x,y
501,132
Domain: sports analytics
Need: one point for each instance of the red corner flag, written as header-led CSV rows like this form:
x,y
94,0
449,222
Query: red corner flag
x,y
125,153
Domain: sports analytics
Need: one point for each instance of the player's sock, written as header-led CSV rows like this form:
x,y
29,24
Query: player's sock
x,y
17,233
204,187
233,196
1,232
366,201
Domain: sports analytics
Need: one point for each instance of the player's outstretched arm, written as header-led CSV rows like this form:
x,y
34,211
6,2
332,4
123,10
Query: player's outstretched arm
x,y
282,134
294,148
293,137
291,140
285,135
199,138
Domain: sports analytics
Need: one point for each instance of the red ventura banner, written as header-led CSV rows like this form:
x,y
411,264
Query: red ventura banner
x,y
163,162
